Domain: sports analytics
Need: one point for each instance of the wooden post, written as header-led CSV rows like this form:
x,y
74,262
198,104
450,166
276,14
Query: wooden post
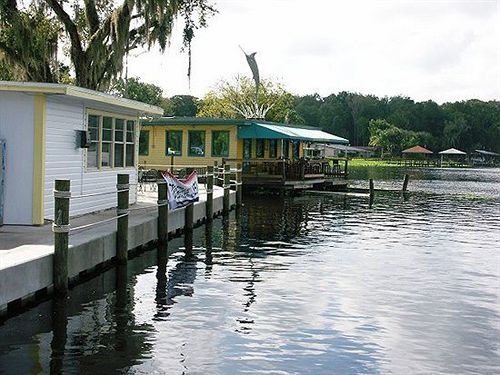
x,y
162,212
405,182
61,236
345,168
226,185
372,193
188,217
216,173
122,187
239,186
209,205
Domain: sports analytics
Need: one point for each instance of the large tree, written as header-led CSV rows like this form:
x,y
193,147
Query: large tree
x,y
101,32
28,43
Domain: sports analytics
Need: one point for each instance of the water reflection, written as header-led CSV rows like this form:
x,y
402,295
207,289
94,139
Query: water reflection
x,y
311,284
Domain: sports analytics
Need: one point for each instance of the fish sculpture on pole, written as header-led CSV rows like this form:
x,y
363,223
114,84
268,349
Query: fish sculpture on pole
x,y
257,111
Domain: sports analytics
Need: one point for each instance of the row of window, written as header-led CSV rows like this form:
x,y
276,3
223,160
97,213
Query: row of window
x,y
112,142
273,148
220,145
196,143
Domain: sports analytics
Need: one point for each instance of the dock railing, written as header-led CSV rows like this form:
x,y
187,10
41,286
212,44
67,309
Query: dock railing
x,y
289,170
62,228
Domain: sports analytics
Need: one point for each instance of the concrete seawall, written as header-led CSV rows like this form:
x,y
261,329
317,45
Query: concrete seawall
x,y
26,271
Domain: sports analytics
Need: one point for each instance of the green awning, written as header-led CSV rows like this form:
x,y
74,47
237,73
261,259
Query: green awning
x,y
258,130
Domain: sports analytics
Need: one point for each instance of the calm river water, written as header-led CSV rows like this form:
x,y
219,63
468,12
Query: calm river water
x,y
307,285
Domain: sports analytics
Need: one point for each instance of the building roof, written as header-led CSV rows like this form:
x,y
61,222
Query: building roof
x,y
452,151
78,92
259,130
255,129
417,150
346,148
489,153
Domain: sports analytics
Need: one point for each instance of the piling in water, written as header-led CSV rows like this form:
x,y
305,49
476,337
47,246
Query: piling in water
x,y
209,205
405,182
122,222
61,236
226,186
239,186
162,213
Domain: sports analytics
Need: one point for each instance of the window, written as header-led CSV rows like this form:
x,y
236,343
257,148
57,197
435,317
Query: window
x,y
119,142
196,143
173,145
247,149
296,149
130,150
259,151
107,141
273,148
286,149
220,143
112,142
92,151
144,142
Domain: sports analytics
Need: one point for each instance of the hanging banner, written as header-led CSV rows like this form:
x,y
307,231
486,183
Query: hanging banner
x,y
181,192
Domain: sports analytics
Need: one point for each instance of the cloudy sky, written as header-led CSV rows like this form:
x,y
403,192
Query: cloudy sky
x,y
443,50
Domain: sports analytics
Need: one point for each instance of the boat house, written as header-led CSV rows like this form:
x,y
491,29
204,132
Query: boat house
x,y
272,154
51,131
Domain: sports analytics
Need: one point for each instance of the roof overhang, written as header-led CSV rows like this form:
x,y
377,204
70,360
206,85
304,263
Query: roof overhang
x,y
261,130
452,151
80,93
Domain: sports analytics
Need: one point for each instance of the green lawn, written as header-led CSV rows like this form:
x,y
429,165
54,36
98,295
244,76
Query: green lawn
x,y
370,163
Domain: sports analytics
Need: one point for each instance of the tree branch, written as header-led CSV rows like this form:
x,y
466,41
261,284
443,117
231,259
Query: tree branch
x,y
92,16
69,25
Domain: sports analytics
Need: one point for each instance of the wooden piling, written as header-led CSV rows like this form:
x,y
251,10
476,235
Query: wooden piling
x,y
61,236
405,182
162,213
226,186
216,173
372,189
209,205
189,217
122,187
239,186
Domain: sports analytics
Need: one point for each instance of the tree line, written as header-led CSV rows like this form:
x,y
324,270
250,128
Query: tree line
x,y
393,123
399,122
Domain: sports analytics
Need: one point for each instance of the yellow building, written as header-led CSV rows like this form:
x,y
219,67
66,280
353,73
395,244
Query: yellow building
x,y
271,154
201,141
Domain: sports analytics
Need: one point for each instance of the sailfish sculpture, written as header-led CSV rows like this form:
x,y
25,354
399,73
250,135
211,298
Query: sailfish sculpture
x,y
252,63
257,111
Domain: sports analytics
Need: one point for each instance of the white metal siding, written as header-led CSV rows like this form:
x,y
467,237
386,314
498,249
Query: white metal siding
x,y
17,128
64,160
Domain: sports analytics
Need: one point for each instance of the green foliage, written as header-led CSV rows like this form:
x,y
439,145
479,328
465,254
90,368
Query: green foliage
x,y
229,99
182,105
134,89
466,125
28,43
393,139
178,105
100,33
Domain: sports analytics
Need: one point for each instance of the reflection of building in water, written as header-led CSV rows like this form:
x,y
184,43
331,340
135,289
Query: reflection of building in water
x,y
285,220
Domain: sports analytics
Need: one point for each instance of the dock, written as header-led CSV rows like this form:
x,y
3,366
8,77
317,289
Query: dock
x,y
27,252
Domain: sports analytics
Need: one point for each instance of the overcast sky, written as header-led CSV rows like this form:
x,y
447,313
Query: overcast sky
x,y
444,50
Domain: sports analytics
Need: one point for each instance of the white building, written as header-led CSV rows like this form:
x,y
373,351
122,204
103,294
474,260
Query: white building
x,y
44,128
